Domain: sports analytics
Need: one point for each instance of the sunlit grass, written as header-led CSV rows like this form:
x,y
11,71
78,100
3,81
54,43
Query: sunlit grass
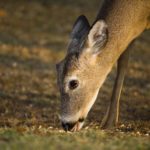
x,y
86,139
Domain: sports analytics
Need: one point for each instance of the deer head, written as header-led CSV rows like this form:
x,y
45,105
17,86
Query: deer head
x,y
81,73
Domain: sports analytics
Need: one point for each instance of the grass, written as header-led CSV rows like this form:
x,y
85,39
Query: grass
x,y
84,140
33,39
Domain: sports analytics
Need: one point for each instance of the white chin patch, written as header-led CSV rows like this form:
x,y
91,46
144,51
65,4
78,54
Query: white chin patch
x,y
77,126
80,125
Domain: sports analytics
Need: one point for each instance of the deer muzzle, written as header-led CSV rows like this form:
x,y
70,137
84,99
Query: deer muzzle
x,y
73,126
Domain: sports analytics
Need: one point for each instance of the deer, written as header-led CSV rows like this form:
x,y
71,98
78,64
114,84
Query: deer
x,y
92,52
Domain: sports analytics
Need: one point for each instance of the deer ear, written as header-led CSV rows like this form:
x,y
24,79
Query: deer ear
x,y
80,29
97,36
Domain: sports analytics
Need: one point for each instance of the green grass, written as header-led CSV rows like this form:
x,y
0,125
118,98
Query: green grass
x,y
84,140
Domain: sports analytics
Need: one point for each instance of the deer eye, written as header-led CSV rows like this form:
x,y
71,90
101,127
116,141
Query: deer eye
x,y
73,84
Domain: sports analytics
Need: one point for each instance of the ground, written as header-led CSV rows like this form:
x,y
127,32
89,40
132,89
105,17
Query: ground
x,y
33,38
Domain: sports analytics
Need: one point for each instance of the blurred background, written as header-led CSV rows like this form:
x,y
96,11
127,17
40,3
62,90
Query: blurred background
x,y
33,37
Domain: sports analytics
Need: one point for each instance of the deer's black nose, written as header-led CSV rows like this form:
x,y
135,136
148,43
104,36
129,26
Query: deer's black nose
x,y
68,126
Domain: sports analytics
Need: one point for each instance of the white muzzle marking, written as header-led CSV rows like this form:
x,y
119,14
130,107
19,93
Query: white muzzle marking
x,y
70,118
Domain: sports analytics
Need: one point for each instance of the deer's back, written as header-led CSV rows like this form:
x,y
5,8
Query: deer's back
x,y
125,11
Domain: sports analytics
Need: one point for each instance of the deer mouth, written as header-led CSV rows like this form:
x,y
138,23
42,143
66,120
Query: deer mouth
x,y
73,127
77,126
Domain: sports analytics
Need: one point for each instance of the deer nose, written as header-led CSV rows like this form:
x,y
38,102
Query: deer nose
x,y
68,126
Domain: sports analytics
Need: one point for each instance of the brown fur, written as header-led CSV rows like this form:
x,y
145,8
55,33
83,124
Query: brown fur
x,y
125,27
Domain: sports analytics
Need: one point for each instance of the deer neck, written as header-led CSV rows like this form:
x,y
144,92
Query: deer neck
x,y
126,20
